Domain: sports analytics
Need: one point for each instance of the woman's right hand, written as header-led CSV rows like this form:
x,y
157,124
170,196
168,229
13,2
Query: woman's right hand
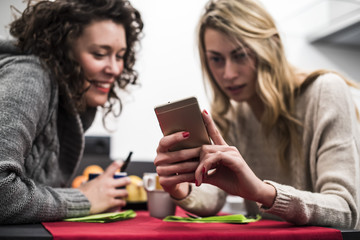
x,y
176,169
223,166
103,192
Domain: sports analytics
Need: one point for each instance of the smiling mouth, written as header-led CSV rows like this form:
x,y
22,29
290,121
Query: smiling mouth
x,y
102,86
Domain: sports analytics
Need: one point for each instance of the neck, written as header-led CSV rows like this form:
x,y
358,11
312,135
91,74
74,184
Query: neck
x,y
257,106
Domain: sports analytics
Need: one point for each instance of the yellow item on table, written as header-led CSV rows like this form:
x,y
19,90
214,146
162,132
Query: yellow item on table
x,y
136,191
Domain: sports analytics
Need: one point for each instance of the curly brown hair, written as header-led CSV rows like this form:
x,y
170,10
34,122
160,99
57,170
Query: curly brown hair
x,y
47,29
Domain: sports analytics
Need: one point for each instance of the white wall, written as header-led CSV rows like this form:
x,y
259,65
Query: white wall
x,y
169,69
6,16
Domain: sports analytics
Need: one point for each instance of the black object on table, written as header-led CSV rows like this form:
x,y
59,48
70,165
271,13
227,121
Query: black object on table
x,y
24,232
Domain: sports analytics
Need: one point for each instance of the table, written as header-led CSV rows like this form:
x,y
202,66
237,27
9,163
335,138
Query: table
x,y
146,227
24,232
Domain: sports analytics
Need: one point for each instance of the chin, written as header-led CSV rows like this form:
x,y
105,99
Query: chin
x,y
96,103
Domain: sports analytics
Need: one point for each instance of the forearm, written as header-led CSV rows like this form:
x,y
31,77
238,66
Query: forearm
x,y
304,207
24,201
27,203
205,200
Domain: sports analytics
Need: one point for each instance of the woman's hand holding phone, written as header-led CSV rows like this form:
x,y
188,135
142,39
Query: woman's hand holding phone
x,y
176,168
199,161
177,155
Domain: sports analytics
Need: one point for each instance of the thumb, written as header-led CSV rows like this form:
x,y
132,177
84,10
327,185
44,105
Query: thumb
x,y
113,167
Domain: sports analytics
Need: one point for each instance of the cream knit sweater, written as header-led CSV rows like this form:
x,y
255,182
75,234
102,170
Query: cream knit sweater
x,y
322,188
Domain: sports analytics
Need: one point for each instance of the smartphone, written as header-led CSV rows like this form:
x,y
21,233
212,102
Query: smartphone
x,y
183,115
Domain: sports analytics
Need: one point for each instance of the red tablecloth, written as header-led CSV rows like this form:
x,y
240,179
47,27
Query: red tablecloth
x,y
145,227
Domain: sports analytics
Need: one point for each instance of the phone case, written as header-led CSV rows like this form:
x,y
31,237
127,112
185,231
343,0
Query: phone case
x,y
183,115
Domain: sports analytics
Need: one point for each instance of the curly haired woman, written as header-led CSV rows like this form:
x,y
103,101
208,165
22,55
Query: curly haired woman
x,y
67,58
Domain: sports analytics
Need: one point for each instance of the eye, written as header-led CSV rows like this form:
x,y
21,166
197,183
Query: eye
x,y
216,60
119,57
240,57
98,55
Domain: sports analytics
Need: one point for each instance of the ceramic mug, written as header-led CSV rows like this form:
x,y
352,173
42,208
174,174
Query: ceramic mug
x,y
151,182
160,204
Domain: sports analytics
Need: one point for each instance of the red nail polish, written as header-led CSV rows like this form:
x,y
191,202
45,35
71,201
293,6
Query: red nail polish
x,y
186,134
206,112
203,173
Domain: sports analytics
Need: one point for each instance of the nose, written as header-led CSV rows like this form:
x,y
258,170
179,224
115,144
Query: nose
x,y
230,70
114,66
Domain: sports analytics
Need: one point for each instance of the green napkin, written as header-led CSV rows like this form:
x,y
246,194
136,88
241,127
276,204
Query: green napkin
x,y
237,218
104,217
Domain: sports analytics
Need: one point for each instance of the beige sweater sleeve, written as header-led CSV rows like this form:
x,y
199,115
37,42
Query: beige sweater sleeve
x,y
331,147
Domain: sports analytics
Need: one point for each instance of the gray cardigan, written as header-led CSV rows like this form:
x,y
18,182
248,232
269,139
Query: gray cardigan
x,y
40,144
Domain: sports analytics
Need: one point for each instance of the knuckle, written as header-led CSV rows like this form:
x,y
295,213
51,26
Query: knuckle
x,y
163,143
205,148
159,159
232,148
160,171
218,153
182,155
164,182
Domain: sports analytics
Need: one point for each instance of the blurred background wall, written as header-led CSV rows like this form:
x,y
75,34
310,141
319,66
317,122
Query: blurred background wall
x,y
316,34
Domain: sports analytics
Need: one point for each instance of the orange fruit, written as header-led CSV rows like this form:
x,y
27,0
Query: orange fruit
x,y
78,181
92,169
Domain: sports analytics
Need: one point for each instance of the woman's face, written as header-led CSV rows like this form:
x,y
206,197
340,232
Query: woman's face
x,y
232,66
100,51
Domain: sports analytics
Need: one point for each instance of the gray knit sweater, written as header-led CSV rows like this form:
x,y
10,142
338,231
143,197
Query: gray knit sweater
x,y
40,144
323,187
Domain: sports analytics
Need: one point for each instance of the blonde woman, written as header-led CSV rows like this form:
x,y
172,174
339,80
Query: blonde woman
x,y
286,141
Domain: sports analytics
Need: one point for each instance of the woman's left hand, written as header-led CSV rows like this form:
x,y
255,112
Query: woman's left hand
x,y
176,169
105,192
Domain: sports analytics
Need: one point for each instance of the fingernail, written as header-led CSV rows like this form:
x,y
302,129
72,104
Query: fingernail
x,y
206,112
186,134
196,183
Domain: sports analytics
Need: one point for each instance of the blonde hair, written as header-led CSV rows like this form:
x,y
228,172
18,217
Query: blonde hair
x,y
248,23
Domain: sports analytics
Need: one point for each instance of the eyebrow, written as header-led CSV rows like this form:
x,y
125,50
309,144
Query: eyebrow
x,y
106,47
232,52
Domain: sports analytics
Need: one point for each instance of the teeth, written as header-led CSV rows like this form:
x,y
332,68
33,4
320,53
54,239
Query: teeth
x,y
103,85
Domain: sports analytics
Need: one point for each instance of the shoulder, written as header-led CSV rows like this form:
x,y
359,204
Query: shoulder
x,y
328,87
28,65
329,82
328,97
14,63
26,84
26,74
